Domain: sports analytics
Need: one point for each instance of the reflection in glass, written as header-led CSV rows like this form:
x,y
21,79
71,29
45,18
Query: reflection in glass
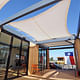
x,y
4,52
42,59
23,58
17,65
14,59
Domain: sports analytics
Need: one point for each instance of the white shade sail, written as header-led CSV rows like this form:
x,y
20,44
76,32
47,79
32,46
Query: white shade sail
x,y
47,25
2,3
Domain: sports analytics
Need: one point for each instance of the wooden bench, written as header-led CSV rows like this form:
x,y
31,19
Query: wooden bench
x,y
35,68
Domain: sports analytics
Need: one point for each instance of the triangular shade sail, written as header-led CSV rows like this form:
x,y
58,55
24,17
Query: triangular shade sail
x,y
2,3
47,25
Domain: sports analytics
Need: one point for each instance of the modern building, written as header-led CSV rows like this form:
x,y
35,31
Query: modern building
x,y
60,60
17,54
16,57
13,55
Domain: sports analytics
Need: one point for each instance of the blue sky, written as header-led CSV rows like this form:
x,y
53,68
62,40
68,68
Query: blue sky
x,y
13,6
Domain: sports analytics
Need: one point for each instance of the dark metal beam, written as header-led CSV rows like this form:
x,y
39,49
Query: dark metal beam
x,y
42,46
33,8
20,53
60,48
69,42
9,33
57,48
4,44
8,61
27,59
46,58
56,40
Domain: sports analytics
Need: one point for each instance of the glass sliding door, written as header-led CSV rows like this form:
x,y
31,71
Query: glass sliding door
x,y
4,52
18,65
14,66
24,53
18,59
42,59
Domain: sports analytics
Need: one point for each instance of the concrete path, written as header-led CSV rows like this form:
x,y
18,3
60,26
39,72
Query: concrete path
x,y
52,75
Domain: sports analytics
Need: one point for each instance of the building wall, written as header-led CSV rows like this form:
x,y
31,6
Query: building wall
x,y
33,57
77,53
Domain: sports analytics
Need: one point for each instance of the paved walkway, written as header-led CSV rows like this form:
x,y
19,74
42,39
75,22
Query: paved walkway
x,y
52,75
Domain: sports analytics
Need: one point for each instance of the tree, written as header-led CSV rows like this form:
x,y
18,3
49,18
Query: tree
x,y
51,59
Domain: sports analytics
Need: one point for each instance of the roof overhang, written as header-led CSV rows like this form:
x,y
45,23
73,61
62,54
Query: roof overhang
x,y
48,25
48,28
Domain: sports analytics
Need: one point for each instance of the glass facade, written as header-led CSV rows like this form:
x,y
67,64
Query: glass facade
x,y
4,52
14,59
15,54
42,59
24,58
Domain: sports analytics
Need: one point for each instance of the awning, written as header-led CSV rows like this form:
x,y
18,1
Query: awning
x,y
3,2
47,25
